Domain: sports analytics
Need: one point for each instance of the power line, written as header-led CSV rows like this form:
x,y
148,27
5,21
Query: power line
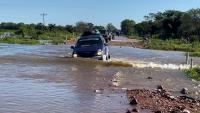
x,y
43,17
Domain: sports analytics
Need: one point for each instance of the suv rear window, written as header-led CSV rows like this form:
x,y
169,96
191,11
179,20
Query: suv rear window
x,y
88,42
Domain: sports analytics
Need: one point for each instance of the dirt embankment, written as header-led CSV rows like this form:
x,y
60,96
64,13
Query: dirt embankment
x,y
162,101
129,42
71,42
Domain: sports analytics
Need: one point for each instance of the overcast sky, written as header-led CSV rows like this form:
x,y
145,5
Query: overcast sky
x,y
99,12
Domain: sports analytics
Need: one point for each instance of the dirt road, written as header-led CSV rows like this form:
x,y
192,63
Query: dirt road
x,y
124,41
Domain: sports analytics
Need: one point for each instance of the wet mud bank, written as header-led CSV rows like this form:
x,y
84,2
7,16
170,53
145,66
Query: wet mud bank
x,y
162,101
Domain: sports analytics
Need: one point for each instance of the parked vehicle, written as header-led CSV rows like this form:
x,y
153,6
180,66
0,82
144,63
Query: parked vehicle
x,y
92,46
106,35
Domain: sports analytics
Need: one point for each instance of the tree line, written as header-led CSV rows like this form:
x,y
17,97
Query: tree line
x,y
171,24
36,31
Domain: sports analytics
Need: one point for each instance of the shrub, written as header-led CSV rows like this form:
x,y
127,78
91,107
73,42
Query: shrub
x,y
193,73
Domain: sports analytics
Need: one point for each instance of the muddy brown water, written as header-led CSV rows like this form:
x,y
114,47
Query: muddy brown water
x,y
44,79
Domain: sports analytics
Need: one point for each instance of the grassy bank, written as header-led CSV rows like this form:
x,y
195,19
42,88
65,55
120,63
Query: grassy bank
x,y
19,41
175,45
195,54
33,36
193,73
53,41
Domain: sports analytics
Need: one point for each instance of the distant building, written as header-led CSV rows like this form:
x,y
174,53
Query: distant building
x,y
7,35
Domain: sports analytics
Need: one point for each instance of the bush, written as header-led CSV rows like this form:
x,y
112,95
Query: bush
x,y
193,73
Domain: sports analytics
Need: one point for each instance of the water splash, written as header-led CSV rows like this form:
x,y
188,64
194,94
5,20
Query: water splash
x,y
142,64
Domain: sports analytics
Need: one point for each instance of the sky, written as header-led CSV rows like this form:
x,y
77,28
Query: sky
x,y
99,12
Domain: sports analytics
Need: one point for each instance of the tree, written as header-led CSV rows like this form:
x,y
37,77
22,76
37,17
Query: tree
x,y
165,25
8,25
127,27
110,27
195,20
40,26
99,27
60,28
144,28
90,26
69,28
171,23
83,26
52,27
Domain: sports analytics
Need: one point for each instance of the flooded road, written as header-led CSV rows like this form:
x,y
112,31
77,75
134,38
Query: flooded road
x,y
44,79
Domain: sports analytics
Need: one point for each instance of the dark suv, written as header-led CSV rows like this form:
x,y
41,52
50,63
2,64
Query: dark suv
x,y
92,46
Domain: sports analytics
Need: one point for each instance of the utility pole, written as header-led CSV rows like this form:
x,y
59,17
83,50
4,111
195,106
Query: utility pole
x,y
43,17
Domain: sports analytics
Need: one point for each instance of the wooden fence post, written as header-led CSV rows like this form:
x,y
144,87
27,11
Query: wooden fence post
x,y
191,63
187,58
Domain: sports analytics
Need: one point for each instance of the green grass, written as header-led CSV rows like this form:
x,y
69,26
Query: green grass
x,y
19,41
175,45
5,30
193,73
195,54
172,45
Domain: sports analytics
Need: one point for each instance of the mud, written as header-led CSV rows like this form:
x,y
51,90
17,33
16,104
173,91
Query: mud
x,y
162,101
129,43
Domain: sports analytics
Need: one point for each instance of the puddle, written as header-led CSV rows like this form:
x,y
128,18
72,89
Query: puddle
x,y
30,96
